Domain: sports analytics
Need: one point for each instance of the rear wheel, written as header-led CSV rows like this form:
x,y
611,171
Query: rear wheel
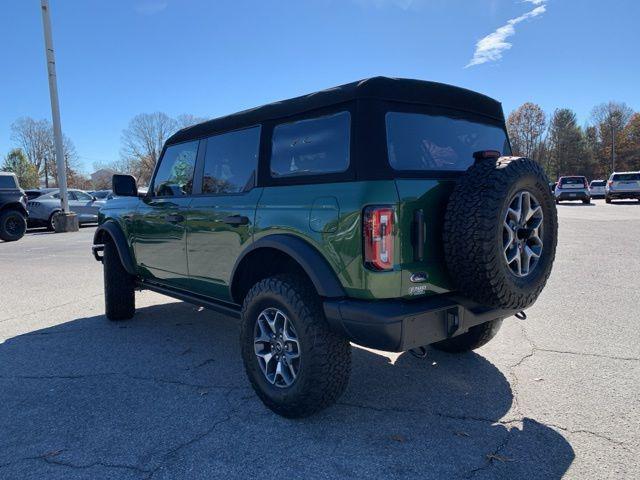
x,y
295,363
607,199
586,202
476,337
13,225
119,285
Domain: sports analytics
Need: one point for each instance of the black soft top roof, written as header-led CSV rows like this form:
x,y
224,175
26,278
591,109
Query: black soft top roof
x,y
379,88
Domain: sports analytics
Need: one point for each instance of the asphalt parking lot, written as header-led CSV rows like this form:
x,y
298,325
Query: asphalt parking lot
x,y
165,396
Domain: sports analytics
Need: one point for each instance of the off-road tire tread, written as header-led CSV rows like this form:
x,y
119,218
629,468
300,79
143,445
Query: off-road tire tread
x,y
327,361
4,235
119,285
476,337
469,232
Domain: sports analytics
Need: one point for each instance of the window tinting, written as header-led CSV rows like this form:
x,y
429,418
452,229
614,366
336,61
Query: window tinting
x,y
572,181
7,181
598,183
626,177
175,174
230,161
315,146
417,141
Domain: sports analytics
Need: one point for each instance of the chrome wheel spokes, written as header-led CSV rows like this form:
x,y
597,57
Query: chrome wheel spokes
x,y
276,347
522,233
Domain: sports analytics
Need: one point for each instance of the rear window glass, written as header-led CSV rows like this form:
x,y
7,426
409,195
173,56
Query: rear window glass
x,y
418,141
598,183
310,147
572,181
8,181
625,177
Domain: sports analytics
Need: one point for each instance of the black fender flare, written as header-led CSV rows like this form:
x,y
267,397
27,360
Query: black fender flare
x,y
15,206
316,267
112,229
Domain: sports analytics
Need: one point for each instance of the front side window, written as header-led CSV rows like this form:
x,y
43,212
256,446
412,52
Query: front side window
x,y
230,161
417,141
310,147
174,177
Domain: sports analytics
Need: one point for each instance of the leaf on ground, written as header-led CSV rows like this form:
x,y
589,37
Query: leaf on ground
x,y
398,438
52,453
203,392
462,434
539,379
500,458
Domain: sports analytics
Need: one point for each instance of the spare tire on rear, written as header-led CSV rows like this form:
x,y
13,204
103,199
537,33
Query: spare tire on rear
x,y
500,232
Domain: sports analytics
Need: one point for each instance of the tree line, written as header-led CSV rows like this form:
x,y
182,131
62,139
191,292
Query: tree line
x,y
609,141
33,159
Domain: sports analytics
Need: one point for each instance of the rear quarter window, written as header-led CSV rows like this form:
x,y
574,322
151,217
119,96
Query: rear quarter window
x,y
310,147
417,141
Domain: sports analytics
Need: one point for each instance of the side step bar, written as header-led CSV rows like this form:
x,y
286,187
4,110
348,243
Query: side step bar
x,y
230,309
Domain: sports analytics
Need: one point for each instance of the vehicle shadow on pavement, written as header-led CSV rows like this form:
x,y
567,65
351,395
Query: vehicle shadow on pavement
x,y
165,396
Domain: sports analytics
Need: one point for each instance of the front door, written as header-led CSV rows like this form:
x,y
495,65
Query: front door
x,y
83,204
220,220
160,221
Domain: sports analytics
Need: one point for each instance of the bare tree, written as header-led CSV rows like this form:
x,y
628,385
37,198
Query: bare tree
x,y
35,138
187,120
526,126
610,119
142,142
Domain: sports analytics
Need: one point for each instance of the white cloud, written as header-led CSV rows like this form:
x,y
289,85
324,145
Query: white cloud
x,y
491,47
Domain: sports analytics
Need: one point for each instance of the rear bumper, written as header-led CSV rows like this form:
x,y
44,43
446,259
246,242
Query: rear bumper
x,y
399,325
569,195
620,195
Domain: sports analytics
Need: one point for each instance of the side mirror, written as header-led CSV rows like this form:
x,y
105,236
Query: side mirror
x,y
93,198
124,186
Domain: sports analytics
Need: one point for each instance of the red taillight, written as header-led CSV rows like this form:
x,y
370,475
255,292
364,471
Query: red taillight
x,y
586,185
609,182
378,237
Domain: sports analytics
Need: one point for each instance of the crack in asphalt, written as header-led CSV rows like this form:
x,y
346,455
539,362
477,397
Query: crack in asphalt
x,y
114,374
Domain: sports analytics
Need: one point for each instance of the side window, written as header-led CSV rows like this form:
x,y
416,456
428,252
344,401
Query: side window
x,y
309,147
174,177
83,196
230,161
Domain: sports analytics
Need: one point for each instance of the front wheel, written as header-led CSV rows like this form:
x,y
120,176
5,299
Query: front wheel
x,y
13,225
295,363
607,200
476,337
119,285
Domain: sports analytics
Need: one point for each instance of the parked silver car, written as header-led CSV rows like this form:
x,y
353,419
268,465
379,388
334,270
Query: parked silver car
x,y
623,185
43,210
572,188
596,187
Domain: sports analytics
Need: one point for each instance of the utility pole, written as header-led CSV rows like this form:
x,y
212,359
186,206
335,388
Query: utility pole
x,y
66,221
613,148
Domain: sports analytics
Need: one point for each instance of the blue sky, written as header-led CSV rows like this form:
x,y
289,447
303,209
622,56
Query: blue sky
x,y
119,58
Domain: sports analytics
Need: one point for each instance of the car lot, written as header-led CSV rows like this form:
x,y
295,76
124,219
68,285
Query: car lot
x,y
164,395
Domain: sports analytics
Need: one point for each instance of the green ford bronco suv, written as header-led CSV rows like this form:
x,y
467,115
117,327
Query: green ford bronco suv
x,y
385,212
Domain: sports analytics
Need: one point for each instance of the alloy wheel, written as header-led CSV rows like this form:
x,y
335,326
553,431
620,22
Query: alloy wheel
x,y
522,233
276,347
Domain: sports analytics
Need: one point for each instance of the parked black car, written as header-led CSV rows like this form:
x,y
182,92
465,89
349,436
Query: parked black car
x,y
13,208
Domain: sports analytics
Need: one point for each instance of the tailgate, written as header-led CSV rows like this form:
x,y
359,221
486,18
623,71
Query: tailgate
x,y
422,201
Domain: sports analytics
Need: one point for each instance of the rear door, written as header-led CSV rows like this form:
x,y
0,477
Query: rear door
x,y
160,241
428,152
221,219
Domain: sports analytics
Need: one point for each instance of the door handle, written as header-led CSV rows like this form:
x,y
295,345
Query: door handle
x,y
174,218
236,220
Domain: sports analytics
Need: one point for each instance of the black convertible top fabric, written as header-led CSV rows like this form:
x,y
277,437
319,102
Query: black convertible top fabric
x,y
376,88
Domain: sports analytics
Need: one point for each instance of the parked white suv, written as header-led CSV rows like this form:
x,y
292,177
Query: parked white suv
x,y
623,185
597,188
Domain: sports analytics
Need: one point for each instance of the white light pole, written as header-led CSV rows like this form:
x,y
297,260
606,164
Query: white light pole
x,y
65,223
